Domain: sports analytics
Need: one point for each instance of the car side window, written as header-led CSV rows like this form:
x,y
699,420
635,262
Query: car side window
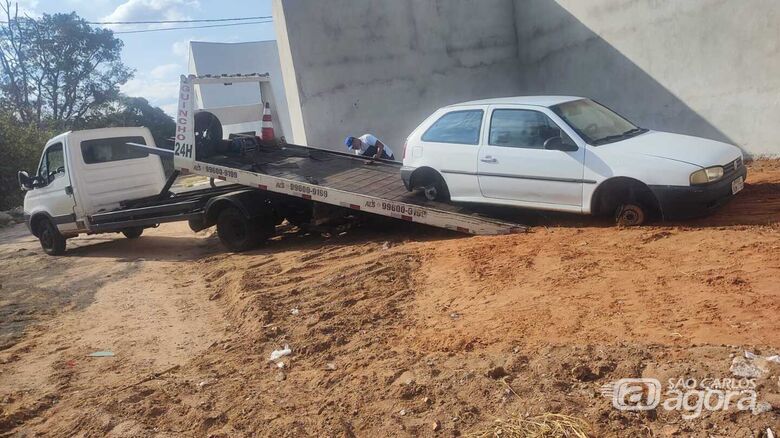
x,y
523,129
461,127
53,163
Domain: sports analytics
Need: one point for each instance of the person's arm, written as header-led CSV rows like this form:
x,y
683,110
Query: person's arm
x,y
380,147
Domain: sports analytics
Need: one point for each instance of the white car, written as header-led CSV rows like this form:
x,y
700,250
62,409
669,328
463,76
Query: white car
x,y
567,154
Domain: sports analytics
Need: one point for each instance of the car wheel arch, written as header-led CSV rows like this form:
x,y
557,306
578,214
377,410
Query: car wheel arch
x,y
610,193
424,174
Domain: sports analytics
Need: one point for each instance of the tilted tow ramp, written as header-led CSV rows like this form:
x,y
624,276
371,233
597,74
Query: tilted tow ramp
x,y
311,174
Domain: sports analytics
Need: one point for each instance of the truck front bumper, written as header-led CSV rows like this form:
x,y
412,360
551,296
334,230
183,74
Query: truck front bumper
x,y
678,202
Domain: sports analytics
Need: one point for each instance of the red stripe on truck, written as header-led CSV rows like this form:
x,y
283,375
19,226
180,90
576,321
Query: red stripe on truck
x,y
354,206
406,218
262,187
463,230
221,178
306,196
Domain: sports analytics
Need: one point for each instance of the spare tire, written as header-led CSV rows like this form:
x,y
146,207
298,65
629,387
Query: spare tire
x,y
208,134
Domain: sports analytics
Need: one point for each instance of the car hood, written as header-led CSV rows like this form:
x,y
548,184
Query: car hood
x,y
685,148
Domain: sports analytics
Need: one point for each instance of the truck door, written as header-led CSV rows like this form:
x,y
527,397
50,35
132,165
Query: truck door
x,y
514,165
53,192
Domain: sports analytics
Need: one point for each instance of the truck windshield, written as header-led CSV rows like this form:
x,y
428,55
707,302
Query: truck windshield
x,y
595,123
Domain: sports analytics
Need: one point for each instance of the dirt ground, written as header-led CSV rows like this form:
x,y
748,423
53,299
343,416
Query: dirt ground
x,y
406,331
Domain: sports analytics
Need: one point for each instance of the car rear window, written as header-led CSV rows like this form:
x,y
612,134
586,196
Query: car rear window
x,y
104,150
456,127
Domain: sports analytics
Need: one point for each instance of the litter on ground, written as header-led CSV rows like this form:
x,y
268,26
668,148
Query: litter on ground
x,y
277,354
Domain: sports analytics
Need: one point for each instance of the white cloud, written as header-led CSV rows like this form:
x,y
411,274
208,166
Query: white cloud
x,y
26,7
167,71
151,10
160,91
182,49
170,108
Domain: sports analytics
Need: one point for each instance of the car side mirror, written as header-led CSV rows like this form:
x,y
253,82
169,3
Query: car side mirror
x,y
25,182
557,144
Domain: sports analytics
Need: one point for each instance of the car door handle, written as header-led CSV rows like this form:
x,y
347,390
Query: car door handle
x,y
488,159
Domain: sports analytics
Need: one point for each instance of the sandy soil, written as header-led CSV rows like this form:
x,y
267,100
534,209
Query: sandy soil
x,y
408,331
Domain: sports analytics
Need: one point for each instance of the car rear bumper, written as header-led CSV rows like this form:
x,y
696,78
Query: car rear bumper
x,y
695,201
406,176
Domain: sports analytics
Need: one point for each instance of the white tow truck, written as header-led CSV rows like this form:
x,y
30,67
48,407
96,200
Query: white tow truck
x,y
112,180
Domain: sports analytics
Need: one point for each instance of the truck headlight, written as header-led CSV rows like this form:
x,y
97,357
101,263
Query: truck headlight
x,y
707,175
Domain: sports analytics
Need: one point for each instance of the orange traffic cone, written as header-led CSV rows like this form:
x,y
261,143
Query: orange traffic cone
x,y
268,124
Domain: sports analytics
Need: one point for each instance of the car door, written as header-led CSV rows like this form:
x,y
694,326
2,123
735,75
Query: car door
x,y
53,192
514,164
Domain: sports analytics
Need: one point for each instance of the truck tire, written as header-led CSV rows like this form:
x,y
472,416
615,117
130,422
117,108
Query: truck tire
x,y
197,224
133,233
236,231
52,242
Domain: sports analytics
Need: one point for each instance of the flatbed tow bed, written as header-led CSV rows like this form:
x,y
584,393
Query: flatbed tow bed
x,y
346,181
328,177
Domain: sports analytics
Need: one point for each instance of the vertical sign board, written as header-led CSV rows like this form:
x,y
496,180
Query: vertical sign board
x,y
184,147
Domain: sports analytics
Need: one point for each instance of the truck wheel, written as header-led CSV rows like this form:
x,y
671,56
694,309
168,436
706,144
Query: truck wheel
x,y
51,240
237,232
133,233
630,215
197,224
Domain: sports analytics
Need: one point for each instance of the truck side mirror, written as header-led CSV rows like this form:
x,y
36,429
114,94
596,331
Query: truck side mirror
x,y
557,144
25,182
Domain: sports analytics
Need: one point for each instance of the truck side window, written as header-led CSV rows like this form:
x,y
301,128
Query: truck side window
x,y
456,127
523,129
104,150
53,163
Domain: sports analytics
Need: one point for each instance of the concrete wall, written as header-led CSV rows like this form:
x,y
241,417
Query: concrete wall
x,y
700,67
382,66
709,68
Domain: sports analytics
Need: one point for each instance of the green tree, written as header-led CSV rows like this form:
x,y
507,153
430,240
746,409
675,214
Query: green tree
x,y
20,149
57,68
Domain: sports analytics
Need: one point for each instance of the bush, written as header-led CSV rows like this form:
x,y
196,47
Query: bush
x,y
20,149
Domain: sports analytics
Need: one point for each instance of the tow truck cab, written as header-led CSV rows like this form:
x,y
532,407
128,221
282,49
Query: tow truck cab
x,y
81,173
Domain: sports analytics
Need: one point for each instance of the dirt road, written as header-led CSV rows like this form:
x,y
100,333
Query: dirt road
x,y
399,332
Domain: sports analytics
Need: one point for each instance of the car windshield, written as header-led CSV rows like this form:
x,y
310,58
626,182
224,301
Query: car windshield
x,y
595,123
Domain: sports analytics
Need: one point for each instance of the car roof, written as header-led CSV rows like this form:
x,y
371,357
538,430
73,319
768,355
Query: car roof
x,y
545,101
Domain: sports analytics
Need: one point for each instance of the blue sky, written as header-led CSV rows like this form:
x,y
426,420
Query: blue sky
x,y
160,57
